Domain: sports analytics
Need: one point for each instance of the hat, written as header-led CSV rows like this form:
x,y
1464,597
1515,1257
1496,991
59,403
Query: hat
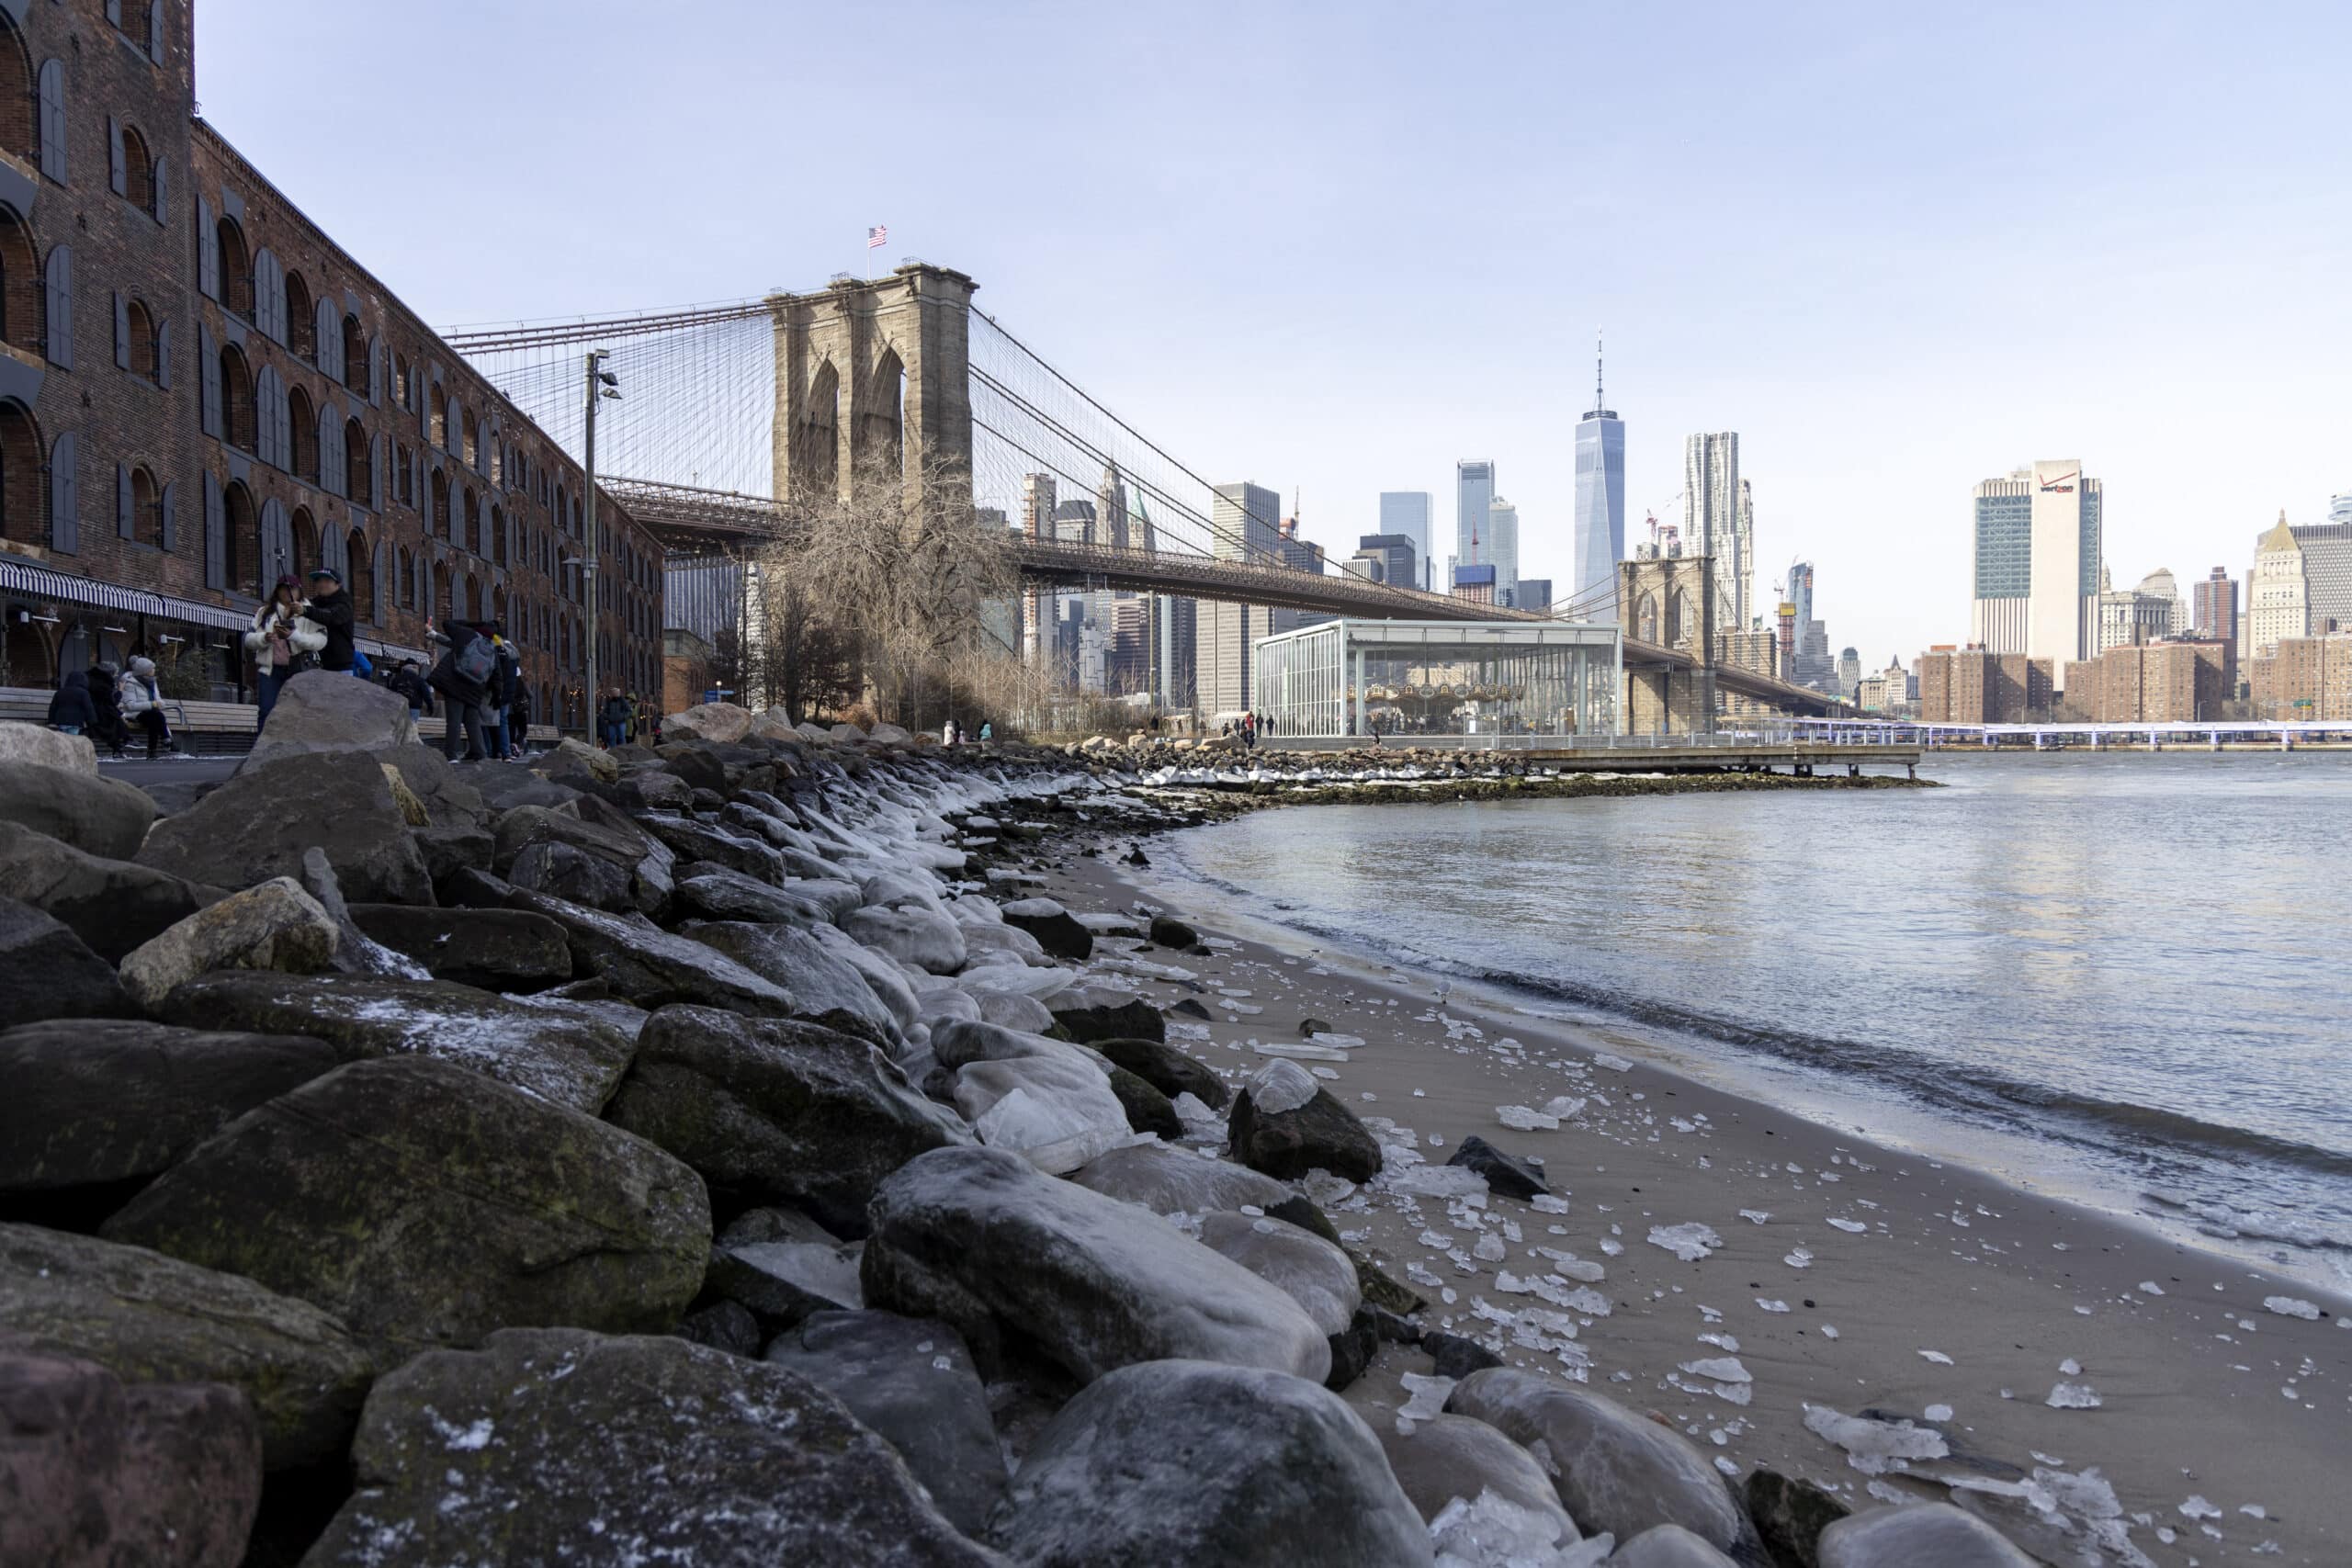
x,y
143,667
288,581
327,572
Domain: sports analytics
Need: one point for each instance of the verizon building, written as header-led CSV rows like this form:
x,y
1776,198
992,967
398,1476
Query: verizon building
x,y
2037,547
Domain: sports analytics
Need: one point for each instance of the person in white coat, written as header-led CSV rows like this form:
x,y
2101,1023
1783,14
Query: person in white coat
x,y
142,705
281,643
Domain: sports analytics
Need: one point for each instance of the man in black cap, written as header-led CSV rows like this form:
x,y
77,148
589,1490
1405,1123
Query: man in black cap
x,y
330,606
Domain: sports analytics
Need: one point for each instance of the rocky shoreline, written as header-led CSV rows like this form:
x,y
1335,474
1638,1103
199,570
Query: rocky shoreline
x,y
723,1154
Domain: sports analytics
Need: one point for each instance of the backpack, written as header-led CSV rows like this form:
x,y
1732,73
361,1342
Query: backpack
x,y
475,661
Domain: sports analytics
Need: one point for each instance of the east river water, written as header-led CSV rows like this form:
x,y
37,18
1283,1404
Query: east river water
x,y
2122,977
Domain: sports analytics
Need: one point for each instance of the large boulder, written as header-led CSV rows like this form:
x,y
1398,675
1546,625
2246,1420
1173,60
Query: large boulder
x,y
1310,1270
1671,1546
426,1205
327,710
1508,1176
1057,1110
566,1060
257,824
1169,1180
780,1284
47,748
1192,1464
1446,1456
274,925
652,967
1922,1533
450,797
113,905
149,1318
883,978
1055,928
1613,1470
913,1382
690,841
1790,1512
46,971
356,953
568,872
498,950
94,1102
1097,1012
769,1111
1285,1123
915,934
1168,1069
95,814
95,1474
550,1445
711,891
1019,1262
708,721
825,986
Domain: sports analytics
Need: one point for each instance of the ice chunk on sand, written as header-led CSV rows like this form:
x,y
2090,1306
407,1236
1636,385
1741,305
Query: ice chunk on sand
x,y
2292,1307
1756,1216
2198,1509
1851,1227
1938,1357
1492,1531
2072,1396
1938,1412
1767,1304
1614,1064
1719,1369
1520,1118
1281,1086
1799,1258
1875,1447
1690,1242
1439,1182
1427,1397
1563,1106
1301,1052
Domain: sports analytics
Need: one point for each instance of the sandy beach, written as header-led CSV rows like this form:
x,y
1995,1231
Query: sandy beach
x,y
2105,1394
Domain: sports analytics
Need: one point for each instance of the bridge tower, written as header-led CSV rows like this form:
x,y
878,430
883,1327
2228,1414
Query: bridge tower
x,y
873,383
1670,601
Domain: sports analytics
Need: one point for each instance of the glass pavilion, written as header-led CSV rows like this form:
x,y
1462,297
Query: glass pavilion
x,y
1407,678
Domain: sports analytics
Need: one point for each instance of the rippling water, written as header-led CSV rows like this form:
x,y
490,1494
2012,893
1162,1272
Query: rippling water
x,y
2138,961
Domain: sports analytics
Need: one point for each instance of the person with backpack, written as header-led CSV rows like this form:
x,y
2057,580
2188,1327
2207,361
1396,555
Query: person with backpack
x,y
612,719
70,710
282,642
108,729
408,681
330,606
142,704
462,677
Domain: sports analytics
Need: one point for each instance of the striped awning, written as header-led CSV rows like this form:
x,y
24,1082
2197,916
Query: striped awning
x,y
23,577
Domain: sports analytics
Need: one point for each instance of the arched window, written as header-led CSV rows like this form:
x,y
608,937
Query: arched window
x,y
236,398
19,95
242,536
404,383
137,170
438,523
364,586
440,424
302,437
305,533
22,517
358,474
356,358
146,508
498,604
22,306
1645,619
1678,618
468,533
403,475
471,432
439,605
301,319
236,268
497,535
139,332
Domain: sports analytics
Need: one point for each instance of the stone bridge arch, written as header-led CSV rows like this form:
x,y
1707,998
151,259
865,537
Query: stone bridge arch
x,y
873,385
1674,602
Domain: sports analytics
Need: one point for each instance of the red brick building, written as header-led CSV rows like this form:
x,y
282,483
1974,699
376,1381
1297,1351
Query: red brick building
x,y
199,390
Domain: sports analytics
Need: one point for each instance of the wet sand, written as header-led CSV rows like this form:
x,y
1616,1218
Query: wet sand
x,y
1877,1281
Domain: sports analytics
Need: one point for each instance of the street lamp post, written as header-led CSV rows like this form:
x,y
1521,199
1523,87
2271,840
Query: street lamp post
x,y
601,384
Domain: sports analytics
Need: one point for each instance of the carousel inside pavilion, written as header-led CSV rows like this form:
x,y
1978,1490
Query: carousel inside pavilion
x,y
1345,678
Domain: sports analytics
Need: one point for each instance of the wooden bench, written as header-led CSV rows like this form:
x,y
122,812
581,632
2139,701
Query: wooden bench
x,y
202,728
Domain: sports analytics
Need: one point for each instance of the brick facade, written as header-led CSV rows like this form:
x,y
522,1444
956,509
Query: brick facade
x,y
239,398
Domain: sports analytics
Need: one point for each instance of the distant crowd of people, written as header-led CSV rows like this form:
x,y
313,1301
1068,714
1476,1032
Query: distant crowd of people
x,y
1248,728
622,718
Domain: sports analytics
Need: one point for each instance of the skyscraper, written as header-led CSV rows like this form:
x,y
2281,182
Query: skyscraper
x,y
1407,511
2037,546
1502,550
1711,515
1474,497
1744,556
1247,519
1600,509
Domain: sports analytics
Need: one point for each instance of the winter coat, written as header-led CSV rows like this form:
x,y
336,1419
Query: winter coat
x,y
106,700
135,696
410,684
504,676
72,704
518,711
614,711
444,678
334,614
302,637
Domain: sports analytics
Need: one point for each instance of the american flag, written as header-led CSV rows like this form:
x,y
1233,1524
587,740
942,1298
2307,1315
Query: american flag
x,y
877,235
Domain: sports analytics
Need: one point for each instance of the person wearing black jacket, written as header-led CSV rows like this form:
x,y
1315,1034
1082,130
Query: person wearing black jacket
x,y
408,681
110,730
331,607
461,717
518,722
70,710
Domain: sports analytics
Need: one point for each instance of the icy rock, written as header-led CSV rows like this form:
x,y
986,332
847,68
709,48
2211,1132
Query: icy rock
x,y
542,1447
982,1239
1875,1447
1210,1466
1506,1175
1310,1270
771,1110
1520,1119
1688,1242
1494,1531
1614,1471
427,1206
1442,1459
1313,1132
2292,1307
1172,1181
913,1382
1036,1104
1919,1533
1281,1086
1789,1514
781,1282
914,933
1667,1546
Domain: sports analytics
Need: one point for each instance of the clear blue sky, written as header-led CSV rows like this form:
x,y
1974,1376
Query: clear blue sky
x,y
1333,248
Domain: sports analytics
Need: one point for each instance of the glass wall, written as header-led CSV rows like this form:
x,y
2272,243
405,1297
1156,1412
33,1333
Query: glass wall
x,y
1407,678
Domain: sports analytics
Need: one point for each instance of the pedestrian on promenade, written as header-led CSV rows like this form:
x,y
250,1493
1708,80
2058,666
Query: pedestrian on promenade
x,y
518,723
71,709
409,682
462,677
612,720
988,731
330,606
281,642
